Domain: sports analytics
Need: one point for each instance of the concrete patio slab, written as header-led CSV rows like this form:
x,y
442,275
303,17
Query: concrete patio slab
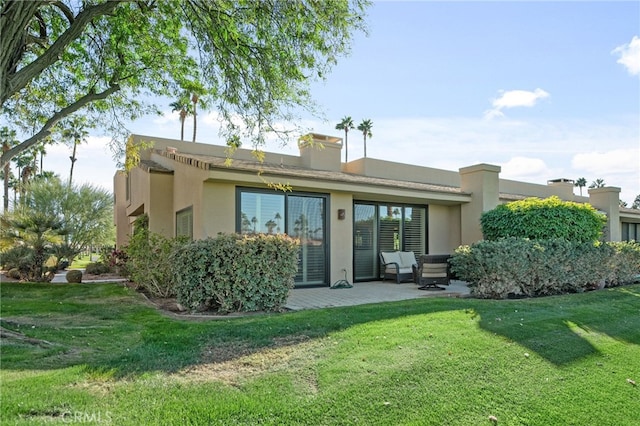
x,y
367,292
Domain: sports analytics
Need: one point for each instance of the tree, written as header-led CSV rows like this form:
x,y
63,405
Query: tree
x,y
183,106
581,183
636,202
598,183
74,130
8,140
33,234
346,124
365,128
85,211
104,58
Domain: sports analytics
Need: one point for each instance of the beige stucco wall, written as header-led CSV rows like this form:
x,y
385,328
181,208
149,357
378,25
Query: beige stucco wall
x,y
482,182
160,204
120,208
563,190
406,172
608,200
340,236
219,205
444,229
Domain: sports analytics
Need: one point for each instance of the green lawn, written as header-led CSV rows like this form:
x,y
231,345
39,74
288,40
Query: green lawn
x,y
99,354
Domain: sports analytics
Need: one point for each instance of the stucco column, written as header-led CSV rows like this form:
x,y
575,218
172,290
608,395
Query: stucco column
x,y
607,200
482,182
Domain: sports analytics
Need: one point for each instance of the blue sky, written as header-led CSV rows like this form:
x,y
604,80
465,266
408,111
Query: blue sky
x,y
543,89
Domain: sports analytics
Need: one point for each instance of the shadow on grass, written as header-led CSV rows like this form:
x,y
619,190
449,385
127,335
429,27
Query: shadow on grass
x,y
110,327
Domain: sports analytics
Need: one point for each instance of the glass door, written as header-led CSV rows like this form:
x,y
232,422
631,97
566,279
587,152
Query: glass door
x,y
365,242
385,227
306,221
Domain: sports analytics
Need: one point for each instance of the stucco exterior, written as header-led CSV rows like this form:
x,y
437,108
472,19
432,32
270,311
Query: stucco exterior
x,y
175,176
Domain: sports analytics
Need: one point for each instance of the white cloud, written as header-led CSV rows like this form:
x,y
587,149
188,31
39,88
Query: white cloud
x,y
524,168
629,55
599,163
512,99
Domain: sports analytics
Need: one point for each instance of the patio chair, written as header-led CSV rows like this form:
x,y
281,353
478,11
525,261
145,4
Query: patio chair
x,y
398,265
433,269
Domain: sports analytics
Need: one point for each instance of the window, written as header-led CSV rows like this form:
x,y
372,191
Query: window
x,y
630,231
184,223
300,215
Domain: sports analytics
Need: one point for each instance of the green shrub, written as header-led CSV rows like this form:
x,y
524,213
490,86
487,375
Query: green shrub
x,y
547,219
18,257
233,273
14,273
149,264
625,263
521,267
97,268
74,276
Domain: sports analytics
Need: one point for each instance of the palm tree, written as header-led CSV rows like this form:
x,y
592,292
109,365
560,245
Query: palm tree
x,y
346,124
598,183
194,99
365,128
183,106
581,183
74,130
8,138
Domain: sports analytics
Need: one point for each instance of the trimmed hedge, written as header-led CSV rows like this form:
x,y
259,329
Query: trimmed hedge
x,y
625,263
232,273
521,267
543,219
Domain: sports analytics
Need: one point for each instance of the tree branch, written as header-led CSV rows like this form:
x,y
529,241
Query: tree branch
x,y
21,78
46,129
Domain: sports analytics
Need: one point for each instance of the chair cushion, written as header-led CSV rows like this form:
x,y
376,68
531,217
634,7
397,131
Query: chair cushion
x,y
407,258
434,270
391,257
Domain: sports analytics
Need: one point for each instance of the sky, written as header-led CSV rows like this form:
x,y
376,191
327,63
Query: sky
x,y
543,89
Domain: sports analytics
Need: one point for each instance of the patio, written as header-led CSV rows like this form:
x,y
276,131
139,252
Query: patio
x,y
367,292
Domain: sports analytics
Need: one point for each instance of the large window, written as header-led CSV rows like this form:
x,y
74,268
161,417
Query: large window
x,y
299,215
386,227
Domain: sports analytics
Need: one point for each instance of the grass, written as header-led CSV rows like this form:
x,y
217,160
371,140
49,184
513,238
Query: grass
x,y
81,262
100,355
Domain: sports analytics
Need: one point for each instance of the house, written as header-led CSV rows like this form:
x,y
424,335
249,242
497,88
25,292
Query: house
x,y
343,213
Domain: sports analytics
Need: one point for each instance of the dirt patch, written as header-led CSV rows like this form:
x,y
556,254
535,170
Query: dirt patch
x,y
233,363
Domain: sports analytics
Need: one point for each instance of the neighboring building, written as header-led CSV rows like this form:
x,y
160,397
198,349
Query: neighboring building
x,y
344,213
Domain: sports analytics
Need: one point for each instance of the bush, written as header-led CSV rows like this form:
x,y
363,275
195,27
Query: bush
x,y
19,257
625,263
233,273
148,261
546,219
520,267
74,276
14,273
97,268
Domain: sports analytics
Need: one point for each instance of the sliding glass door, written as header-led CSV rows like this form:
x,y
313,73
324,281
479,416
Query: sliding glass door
x,y
386,227
300,216
365,242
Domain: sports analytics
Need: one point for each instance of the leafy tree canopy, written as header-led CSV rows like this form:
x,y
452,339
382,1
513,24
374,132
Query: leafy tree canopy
x,y
107,59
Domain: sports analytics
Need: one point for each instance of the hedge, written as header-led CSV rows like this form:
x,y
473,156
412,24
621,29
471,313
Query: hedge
x,y
521,267
543,219
232,273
